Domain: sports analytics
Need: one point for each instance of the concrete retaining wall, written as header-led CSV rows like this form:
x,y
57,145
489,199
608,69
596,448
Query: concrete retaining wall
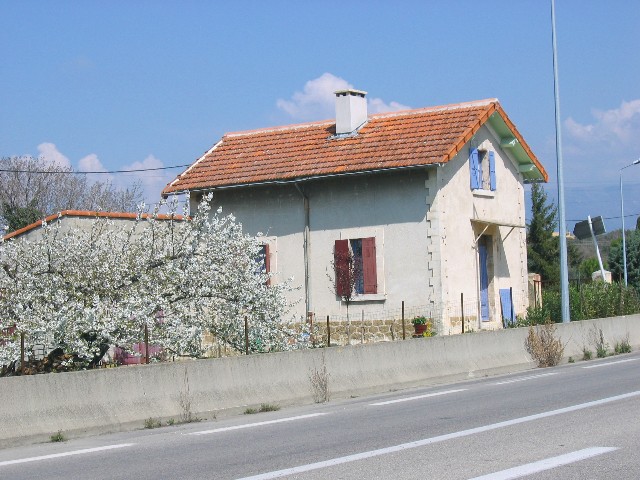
x,y
34,407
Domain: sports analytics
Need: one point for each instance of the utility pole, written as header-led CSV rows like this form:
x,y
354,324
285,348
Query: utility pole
x,y
562,227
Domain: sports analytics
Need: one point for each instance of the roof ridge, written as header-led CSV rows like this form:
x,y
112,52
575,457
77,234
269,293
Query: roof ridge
x,y
319,123
279,128
437,108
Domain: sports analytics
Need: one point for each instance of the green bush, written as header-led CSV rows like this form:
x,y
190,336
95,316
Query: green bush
x,y
592,300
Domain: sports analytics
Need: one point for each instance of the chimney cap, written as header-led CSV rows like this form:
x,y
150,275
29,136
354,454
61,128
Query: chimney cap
x,y
350,91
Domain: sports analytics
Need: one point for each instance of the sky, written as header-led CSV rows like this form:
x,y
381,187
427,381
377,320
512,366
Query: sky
x,y
115,85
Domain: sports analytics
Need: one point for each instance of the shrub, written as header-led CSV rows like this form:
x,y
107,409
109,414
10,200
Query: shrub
x,y
622,346
543,346
592,300
152,423
269,407
58,437
319,378
597,340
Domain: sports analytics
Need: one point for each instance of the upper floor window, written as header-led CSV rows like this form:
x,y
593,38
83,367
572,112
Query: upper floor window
x,y
483,169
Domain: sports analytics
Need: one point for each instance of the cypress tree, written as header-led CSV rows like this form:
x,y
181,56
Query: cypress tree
x,y
543,251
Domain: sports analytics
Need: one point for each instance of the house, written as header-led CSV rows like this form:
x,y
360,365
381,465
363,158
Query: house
x,y
429,202
80,219
84,220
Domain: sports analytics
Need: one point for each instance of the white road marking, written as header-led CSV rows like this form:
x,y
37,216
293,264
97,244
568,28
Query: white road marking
x,y
65,454
258,424
522,379
438,439
546,464
417,397
611,363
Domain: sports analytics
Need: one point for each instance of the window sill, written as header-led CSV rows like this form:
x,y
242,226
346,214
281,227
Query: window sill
x,y
484,193
370,297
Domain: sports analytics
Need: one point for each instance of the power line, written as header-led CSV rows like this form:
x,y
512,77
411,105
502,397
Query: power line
x,y
75,172
609,218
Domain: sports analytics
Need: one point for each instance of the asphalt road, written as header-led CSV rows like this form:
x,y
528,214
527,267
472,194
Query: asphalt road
x,y
576,421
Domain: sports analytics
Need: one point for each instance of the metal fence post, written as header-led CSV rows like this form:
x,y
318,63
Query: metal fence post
x,y
328,333
404,331
246,335
462,309
21,353
146,343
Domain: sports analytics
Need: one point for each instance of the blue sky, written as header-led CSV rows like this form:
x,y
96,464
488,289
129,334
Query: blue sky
x,y
120,84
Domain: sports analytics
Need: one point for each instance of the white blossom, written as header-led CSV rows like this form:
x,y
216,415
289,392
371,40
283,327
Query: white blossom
x,y
91,288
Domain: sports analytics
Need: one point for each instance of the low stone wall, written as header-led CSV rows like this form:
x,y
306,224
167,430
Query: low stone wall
x,y
34,407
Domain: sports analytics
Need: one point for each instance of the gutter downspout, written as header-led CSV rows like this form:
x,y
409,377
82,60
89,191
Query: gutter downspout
x,y
307,292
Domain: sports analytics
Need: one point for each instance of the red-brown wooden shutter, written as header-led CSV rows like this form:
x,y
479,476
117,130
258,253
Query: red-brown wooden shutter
x,y
369,270
341,263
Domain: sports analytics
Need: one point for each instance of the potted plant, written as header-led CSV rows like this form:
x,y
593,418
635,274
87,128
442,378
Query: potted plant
x,y
419,325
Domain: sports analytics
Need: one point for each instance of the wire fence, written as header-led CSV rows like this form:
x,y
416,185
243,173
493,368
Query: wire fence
x,y
358,326
393,324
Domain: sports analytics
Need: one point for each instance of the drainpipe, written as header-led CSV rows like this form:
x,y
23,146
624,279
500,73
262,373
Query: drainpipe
x,y
307,292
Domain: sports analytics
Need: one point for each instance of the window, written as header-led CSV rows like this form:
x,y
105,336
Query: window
x,y
355,266
262,261
483,169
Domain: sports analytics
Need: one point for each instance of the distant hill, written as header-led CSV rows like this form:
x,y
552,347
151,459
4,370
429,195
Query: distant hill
x,y
586,249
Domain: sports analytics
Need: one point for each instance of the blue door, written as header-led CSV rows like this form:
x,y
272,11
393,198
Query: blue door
x,y
484,280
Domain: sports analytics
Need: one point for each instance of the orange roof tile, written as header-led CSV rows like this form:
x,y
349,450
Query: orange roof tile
x,y
389,140
87,213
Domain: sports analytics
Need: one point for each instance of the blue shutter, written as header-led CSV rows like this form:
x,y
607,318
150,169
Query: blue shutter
x,y
508,314
492,171
484,281
474,168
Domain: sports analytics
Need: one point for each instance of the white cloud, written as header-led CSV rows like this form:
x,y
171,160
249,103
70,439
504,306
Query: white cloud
x,y
617,127
152,181
50,153
317,100
377,105
91,163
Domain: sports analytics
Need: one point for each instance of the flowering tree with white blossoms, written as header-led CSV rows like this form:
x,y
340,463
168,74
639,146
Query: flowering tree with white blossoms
x,y
96,287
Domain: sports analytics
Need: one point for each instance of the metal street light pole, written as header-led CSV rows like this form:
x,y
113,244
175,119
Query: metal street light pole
x,y
562,226
624,241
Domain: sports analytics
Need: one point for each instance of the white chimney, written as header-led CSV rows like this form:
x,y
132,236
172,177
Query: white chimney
x,y
351,110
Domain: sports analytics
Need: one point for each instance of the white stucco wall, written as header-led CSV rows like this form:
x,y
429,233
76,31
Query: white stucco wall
x,y
391,207
457,205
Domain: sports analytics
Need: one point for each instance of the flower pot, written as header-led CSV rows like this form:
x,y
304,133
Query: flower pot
x,y
419,329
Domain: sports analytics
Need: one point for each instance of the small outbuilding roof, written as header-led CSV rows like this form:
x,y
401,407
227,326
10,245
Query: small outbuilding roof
x,y
87,214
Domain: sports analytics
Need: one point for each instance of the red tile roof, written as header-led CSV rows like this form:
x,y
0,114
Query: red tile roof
x,y
87,213
389,140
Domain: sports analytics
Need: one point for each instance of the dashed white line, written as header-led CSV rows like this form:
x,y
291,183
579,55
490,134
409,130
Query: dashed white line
x,y
611,363
65,454
432,440
258,424
546,464
522,379
417,397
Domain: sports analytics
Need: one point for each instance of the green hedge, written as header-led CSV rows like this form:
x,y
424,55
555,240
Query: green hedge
x,y
591,300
